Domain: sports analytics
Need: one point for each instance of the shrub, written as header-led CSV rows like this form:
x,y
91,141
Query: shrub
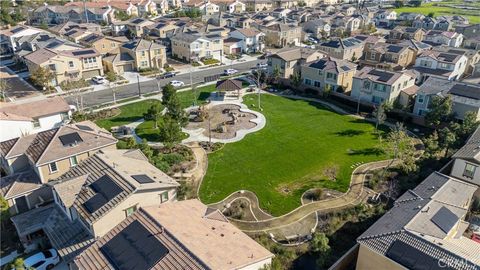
x,y
210,61
69,85
195,64
316,194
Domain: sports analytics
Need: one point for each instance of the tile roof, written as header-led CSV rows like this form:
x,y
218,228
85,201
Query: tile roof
x,y
142,45
68,189
333,64
294,53
16,184
380,76
6,146
248,32
37,109
40,56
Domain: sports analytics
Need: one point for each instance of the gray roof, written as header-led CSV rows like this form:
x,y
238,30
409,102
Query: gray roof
x,y
471,149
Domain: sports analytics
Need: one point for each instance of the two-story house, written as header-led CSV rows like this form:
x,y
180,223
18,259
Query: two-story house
x,y
465,96
190,46
440,64
281,34
103,44
289,61
437,37
379,86
137,55
17,120
328,71
236,7
74,12
385,18
346,48
401,33
252,40
9,36
318,28
427,23
388,56
466,161
137,27
66,65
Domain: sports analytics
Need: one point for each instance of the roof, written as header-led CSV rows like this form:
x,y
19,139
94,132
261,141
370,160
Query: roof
x,y
294,53
421,220
67,190
441,56
120,166
40,56
20,183
248,32
36,109
470,151
142,45
342,43
203,239
380,76
333,64
229,85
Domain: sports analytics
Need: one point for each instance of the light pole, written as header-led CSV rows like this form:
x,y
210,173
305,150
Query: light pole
x,y
113,92
358,102
258,87
138,83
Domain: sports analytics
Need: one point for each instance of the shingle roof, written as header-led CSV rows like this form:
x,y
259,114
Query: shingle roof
x,y
333,64
229,85
142,45
40,56
471,149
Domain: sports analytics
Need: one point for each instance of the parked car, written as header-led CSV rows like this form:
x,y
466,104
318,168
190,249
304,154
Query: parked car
x,y
43,260
230,71
262,65
177,83
99,80
313,40
168,75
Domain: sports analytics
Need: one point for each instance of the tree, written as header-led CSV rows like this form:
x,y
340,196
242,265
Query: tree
x,y
440,111
4,211
131,143
3,89
122,15
379,115
447,139
168,91
415,3
319,244
275,74
146,149
154,113
398,3
173,105
468,126
42,77
111,76
402,148
296,78
327,90
432,145
431,14
170,132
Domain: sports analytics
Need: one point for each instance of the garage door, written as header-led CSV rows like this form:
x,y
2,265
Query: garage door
x,y
91,73
128,67
236,50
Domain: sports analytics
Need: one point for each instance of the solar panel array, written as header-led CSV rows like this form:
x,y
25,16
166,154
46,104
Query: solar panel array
x,y
134,248
106,189
82,127
447,57
137,20
91,38
413,258
70,139
444,219
345,68
394,49
382,75
18,29
84,52
142,178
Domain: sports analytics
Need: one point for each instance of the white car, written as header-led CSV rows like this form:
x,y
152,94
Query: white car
x,y
230,71
43,260
262,65
177,83
99,80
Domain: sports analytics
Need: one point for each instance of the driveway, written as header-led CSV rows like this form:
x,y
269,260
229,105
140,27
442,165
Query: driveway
x,y
17,88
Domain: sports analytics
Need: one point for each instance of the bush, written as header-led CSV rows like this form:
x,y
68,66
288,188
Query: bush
x,y
173,158
210,61
69,85
195,64
316,194
147,71
168,68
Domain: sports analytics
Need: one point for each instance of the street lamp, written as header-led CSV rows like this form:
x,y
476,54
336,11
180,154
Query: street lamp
x,y
138,83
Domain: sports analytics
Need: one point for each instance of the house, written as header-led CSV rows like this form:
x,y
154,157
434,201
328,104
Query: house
x,y
473,57
346,48
162,29
252,40
281,34
385,18
66,65
137,26
472,43
469,30
63,29
427,23
388,56
237,7
103,44
423,230
441,64
401,33
328,71
288,61
115,5
465,96
378,86
466,160
92,198
53,152
232,46
17,120
8,37
137,55
318,28
175,235
74,12
206,7
409,16
31,43
418,46
436,37
146,7
280,12
189,46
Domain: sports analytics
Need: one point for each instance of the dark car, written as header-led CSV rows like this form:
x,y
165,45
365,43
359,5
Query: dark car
x,y
168,75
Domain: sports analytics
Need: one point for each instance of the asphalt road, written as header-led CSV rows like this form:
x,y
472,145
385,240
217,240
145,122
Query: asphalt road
x,y
104,96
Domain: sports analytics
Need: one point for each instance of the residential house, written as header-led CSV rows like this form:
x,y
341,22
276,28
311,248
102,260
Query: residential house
x,y
418,46
281,34
288,61
115,5
409,16
346,48
103,44
465,97
328,72
162,29
193,46
72,12
472,43
379,86
427,23
145,7
424,229
137,55
237,7
8,37
466,160
444,23
388,56
176,235
385,18
53,152
473,58
138,26
232,46
206,7
401,33
318,28
75,31
17,120
300,15
252,40
469,30
280,12
440,64
436,37
31,43
66,65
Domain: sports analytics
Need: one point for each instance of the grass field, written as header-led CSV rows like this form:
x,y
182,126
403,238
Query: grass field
x,y
426,8
290,155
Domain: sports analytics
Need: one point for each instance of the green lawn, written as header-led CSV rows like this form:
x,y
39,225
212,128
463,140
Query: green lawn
x,y
290,154
129,113
426,8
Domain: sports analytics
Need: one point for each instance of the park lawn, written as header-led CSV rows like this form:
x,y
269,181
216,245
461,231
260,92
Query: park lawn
x,y
427,8
290,154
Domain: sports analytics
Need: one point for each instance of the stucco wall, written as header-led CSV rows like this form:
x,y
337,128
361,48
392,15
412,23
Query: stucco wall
x,y
368,260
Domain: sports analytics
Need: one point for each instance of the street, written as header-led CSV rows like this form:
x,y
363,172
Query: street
x,y
91,99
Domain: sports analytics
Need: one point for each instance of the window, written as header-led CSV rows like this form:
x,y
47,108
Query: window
x,y
143,63
143,53
316,84
308,82
469,171
130,210
332,76
36,123
373,55
421,98
164,197
73,161
70,64
366,85
53,167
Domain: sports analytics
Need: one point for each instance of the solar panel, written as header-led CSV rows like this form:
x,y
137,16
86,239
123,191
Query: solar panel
x,y
107,187
82,127
142,178
70,139
137,20
447,57
411,257
382,75
394,49
468,91
444,219
94,203
77,53
134,248
345,68
53,44
16,30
